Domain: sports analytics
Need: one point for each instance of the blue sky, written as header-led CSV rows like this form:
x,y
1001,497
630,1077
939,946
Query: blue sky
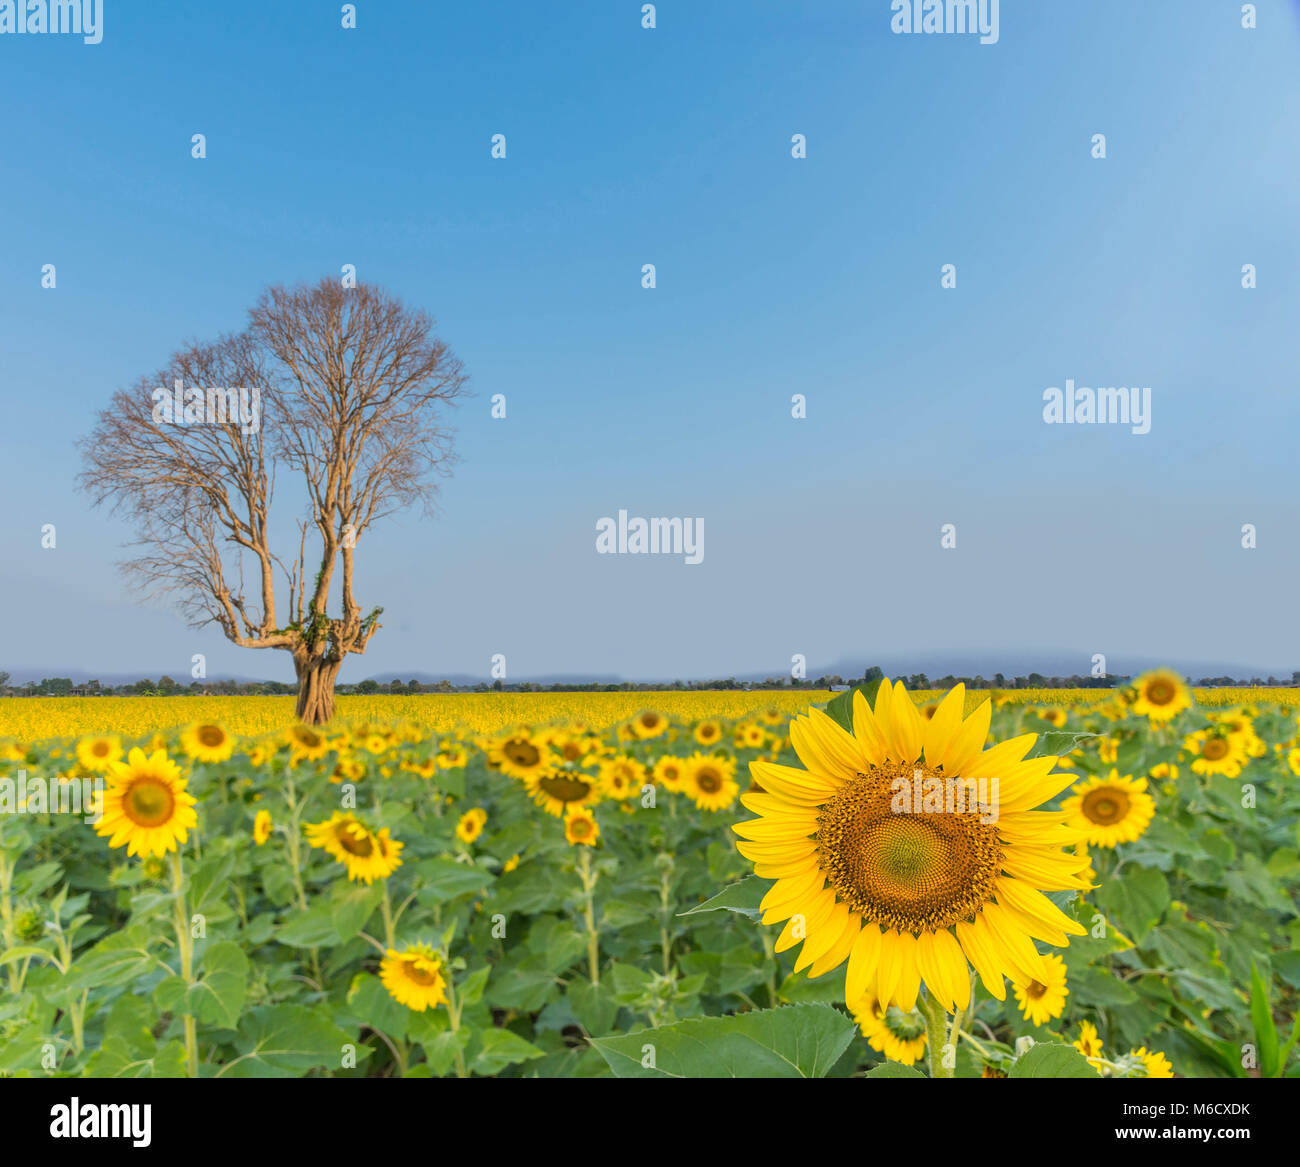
x,y
775,276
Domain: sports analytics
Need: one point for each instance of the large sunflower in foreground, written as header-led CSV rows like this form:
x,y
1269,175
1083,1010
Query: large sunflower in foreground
x,y
1111,810
908,896
145,805
1160,695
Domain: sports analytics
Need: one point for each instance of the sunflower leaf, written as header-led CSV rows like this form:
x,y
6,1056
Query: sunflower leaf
x,y
795,1041
893,1070
1261,1015
1052,1060
743,897
840,708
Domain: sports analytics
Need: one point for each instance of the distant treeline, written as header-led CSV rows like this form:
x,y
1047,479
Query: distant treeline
x,y
167,687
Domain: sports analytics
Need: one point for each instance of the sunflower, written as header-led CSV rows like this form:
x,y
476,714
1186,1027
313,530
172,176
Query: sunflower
x,y
1158,1066
1160,695
669,772
520,754
347,770
580,827
1089,873
708,733
751,737
306,744
772,715
1111,810
555,791
1240,728
424,768
711,782
511,863
367,855
572,746
1041,1000
1216,753
414,977
208,742
145,805
453,757
621,777
1055,715
991,1071
99,751
885,888
1089,1044
471,824
649,723
899,1036
261,827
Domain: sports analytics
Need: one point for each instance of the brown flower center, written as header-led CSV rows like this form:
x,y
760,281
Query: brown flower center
x,y
911,872
564,789
148,802
1105,805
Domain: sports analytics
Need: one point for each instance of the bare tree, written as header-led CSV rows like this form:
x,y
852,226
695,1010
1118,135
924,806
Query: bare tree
x,y
352,385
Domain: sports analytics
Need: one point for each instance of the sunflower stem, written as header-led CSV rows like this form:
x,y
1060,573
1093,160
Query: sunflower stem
x,y
589,914
185,944
936,1033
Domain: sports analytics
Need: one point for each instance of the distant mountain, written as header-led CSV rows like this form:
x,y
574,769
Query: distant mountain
x,y
1049,663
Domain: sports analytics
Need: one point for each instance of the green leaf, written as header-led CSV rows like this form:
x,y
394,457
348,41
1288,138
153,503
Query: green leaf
x,y
592,1005
894,1070
23,951
445,879
796,1041
352,907
1052,1060
470,990
210,880
369,1003
502,1048
312,928
743,897
285,1041
1261,1015
840,707
116,1059
1137,899
217,997
122,958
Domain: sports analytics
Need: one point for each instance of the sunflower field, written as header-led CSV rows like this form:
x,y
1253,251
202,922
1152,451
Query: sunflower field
x,y
871,883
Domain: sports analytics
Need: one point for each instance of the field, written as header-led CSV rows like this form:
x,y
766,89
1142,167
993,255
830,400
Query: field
x,y
550,885
47,718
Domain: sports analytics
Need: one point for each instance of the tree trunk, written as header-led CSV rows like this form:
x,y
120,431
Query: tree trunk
x,y
316,689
